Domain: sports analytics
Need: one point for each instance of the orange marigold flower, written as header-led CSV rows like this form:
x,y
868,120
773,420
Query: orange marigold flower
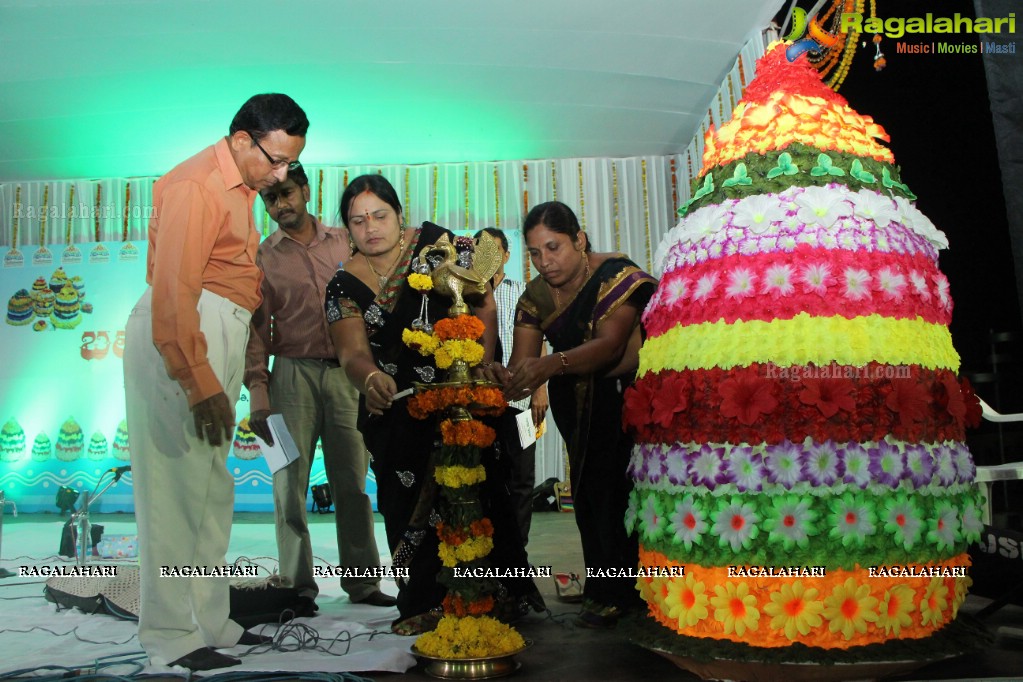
x,y
469,432
468,327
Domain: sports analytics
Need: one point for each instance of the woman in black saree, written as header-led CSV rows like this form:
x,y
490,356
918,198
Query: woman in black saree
x,y
587,305
368,305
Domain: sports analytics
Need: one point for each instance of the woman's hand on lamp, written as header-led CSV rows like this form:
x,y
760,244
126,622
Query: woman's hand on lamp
x,y
527,376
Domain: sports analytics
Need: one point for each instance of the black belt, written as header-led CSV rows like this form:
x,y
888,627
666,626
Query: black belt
x,y
329,362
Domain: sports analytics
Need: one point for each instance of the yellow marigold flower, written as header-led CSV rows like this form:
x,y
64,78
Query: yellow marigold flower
x,y
795,609
735,607
934,603
470,637
895,609
686,600
420,282
849,608
458,476
425,343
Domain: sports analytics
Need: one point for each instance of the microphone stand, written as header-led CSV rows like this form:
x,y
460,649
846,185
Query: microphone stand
x,y
4,573
81,519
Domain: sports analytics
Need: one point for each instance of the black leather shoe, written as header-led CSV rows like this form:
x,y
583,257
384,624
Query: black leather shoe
x,y
252,639
206,659
377,598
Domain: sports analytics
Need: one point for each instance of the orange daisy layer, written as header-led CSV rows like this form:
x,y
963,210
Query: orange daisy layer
x,y
784,118
837,610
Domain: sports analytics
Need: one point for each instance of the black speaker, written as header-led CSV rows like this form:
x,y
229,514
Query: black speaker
x,y
321,498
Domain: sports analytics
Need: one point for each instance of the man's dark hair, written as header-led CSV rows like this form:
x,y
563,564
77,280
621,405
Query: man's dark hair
x,y
298,176
263,114
374,184
496,233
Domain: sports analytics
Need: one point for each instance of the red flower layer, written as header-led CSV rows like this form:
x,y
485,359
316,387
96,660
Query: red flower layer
x,y
763,302
770,404
775,73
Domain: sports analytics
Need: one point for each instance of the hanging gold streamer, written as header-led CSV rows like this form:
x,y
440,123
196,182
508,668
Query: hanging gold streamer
x,y
731,93
99,194
433,211
127,212
525,189
646,220
44,216
582,200
344,181
70,214
614,194
408,200
465,185
554,180
525,211
674,188
17,218
742,74
497,200
319,196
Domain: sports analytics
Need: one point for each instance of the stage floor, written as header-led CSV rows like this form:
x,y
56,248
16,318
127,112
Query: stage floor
x,y
34,633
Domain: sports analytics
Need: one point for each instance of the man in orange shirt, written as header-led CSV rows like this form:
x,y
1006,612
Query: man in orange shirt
x,y
183,362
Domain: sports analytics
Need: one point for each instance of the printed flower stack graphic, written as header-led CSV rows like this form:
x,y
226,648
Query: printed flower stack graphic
x,y
466,536
797,408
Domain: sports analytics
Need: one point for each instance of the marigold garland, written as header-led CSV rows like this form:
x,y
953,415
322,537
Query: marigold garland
x,y
454,605
420,282
458,476
470,637
420,341
480,400
467,433
463,327
449,351
456,535
470,550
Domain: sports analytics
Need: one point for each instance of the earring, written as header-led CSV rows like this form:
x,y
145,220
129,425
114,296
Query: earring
x,y
401,239
351,245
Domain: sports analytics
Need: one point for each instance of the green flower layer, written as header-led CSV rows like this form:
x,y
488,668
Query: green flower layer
x,y
836,531
796,166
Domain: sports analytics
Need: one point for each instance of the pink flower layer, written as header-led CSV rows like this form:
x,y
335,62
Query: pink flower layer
x,y
822,283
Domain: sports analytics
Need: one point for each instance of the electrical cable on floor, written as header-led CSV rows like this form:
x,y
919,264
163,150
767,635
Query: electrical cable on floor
x,y
292,636
73,632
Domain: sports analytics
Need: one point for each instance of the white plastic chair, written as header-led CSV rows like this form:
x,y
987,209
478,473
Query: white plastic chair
x,y
1010,471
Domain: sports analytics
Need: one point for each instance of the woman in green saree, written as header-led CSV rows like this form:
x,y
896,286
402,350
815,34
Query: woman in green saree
x,y
587,306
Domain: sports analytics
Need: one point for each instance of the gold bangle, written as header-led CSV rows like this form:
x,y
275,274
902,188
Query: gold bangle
x,y
564,362
369,376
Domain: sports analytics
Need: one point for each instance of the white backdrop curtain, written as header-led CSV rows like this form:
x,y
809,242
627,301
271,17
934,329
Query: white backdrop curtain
x,y
625,204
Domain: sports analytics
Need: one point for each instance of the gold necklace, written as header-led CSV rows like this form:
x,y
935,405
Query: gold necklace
x,y
586,276
382,279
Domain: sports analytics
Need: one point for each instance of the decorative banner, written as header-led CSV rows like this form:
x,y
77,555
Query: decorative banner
x,y
62,405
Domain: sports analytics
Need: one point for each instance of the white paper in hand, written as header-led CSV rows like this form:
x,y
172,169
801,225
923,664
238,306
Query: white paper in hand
x,y
283,452
527,430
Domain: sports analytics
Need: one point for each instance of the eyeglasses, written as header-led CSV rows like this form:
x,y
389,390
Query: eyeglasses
x,y
274,163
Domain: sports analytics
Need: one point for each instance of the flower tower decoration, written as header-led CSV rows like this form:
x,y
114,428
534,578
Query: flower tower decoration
x,y
798,416
12,441
466,631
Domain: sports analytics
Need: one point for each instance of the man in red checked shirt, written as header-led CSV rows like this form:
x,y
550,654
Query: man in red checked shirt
x,y
183,361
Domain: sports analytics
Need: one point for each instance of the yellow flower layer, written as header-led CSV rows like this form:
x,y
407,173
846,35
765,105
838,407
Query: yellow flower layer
x,y
458,476
470,637
800,341
839,610
786,118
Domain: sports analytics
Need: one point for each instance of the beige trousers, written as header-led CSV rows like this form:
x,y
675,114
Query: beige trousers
x,y
184,494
